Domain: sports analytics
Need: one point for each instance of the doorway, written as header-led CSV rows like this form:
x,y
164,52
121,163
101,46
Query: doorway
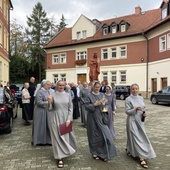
x,y
164,82
154,85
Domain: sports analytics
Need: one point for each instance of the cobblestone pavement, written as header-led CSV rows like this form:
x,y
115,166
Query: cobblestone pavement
x,y
17,153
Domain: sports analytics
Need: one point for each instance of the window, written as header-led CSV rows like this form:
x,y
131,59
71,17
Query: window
x,y
55,59
168,41
104,54
164,13
78,35
81,55
113,53
63,77
122,76
105,30
84,34
113,76
55,78
123,51
113,29
62,58
162,43
123,28
104,76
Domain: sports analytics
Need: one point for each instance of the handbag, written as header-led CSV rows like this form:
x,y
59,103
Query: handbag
x,y
64,130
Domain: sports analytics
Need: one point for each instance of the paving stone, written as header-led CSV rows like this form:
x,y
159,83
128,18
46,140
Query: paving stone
x,y
17,153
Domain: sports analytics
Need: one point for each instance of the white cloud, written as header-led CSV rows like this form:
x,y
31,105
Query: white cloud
x,y
72,9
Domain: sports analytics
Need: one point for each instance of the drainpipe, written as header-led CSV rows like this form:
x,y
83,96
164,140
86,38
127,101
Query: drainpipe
x,y
147,60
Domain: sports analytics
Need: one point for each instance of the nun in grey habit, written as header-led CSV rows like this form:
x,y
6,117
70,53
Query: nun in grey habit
x,y
138,144
61,109
41,119
100,139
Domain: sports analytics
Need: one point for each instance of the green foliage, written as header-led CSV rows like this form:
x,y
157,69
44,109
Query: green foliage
x,y
62,23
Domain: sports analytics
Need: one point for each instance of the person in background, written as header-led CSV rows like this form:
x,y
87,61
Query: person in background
x,y
68,90
61,111
100,139
111,109
84,92
31,90
103,87
41,128
26,104
138,144
76,113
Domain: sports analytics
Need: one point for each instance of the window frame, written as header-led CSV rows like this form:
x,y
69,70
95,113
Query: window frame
x,y
123,73
78,35
81,53
105,76
84,34
114,51
114,74
124,50
162,43
164,13
105,30
55,78
104,53
55,56
61,57
63,77
168,41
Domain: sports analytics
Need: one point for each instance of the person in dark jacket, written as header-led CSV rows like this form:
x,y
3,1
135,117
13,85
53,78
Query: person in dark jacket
x,y
31,90
103,87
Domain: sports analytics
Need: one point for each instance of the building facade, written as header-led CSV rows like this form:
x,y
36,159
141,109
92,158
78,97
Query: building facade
x,y
5,7
130,49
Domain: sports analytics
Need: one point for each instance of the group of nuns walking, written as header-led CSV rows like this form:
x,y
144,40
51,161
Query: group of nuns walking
x,y
55,107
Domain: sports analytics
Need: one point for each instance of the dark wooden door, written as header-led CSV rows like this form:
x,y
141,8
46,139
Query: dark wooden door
x,y
164,82
154,85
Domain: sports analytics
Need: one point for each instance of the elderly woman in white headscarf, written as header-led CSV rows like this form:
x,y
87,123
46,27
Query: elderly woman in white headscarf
x,y
41,129
68,90
111,108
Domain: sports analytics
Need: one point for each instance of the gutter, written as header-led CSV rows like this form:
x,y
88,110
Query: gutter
x,y
147,60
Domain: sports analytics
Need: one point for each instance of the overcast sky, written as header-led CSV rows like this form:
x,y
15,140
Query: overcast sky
x,y
72,9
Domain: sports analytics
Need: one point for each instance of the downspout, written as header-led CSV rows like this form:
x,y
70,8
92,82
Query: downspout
x,y
147,60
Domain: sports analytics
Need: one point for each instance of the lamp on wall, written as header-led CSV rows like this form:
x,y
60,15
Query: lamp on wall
x,y
142,59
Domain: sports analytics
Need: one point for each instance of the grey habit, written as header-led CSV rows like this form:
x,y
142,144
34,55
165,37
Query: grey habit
x,y
61,110
84,92
41,128
138,143
99,136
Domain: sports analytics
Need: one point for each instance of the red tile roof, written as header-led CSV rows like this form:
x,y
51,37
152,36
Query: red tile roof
x,y
139,23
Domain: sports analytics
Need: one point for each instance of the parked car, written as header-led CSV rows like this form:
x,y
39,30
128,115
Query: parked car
x,y
17,88
161,96
122,91
7,113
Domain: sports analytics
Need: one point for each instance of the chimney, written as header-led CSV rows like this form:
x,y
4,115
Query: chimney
x,y
138,10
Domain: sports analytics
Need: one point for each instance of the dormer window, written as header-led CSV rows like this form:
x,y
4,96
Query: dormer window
x,y
164,8
164,13
105,30
123,26
113,28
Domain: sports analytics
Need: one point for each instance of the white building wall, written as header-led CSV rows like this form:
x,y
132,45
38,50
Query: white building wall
x,y
83,24
159,69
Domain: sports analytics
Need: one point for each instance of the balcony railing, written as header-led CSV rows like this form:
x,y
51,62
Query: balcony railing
x,y
80,62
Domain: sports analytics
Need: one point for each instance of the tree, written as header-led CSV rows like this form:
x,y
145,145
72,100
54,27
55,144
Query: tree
x,y
19,65
38,33
62,23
